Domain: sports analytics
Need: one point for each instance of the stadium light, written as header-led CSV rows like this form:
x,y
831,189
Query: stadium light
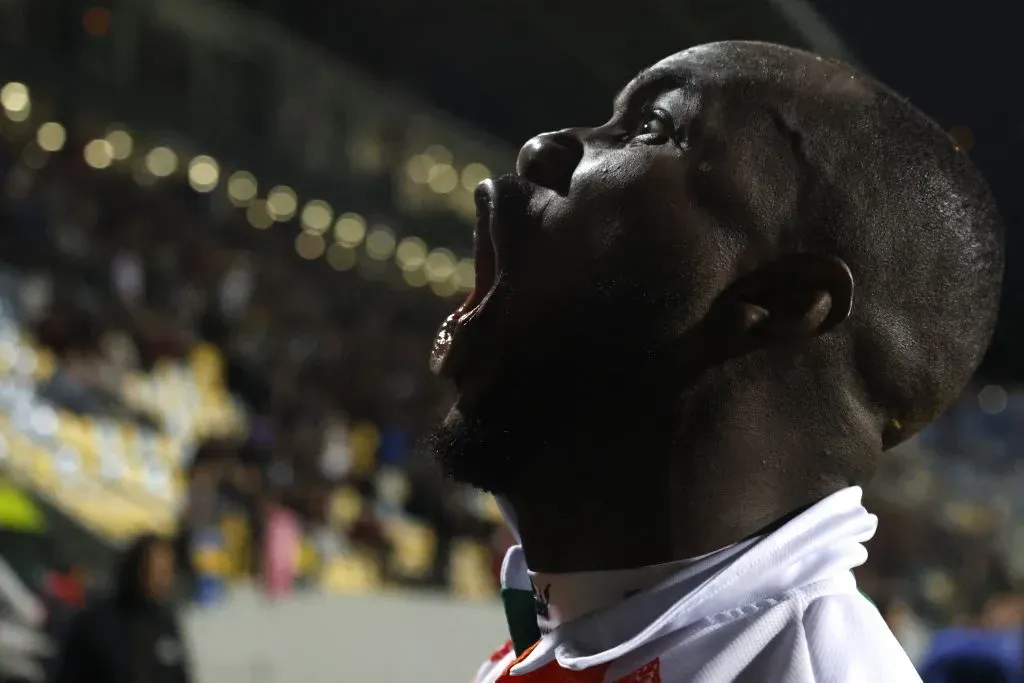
x,y
258,214
309,245
473,175
161,161
51,136
98,154
380,243
282,203
203,173
465,274
443,178
439,266
439,154
316,216
341,257
350,230
242,188
121,142
16,101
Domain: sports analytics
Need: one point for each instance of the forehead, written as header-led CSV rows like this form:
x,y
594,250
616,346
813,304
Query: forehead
x,y
717,66
159,552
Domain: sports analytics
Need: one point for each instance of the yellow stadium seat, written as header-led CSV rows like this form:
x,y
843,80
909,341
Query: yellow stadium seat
x,y
206,364
364,440
211,561
414,545
351,574
471,575
309,558
346,507
46,364
234,531
74,431
42,469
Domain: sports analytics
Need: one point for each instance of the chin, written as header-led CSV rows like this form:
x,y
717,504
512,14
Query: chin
x,y
536,429
472,451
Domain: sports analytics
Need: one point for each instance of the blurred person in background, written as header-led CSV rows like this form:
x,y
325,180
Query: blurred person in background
x,y
65,592
975,655
132,636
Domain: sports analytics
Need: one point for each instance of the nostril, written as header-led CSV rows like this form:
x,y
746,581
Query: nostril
x,y
550,159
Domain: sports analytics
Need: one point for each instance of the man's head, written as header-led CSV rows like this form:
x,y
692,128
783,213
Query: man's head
x,y
765,266
146,573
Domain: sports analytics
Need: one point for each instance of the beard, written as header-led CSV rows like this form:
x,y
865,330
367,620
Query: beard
x,y
503,443
562,407
548,427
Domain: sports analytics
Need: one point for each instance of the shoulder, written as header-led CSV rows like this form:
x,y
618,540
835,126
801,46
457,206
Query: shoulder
x,y
848,640
496,664
804,637
93,615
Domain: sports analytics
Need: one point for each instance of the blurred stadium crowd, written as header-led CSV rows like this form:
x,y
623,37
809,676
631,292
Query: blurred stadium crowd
x,y
174,360
284,385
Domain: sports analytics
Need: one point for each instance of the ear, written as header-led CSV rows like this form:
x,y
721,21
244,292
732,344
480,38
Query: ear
x,y
799,296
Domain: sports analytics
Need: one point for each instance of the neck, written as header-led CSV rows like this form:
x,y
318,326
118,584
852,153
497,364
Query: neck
x,y
721,478
585,531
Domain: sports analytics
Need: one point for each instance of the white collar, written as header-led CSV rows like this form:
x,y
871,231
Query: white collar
x,y
824,541
561,598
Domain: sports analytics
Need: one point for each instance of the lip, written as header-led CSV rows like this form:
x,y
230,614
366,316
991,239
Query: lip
x,y
485,254
498,201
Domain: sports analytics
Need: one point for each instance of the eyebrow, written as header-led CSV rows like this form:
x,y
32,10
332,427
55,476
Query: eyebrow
x,y
652,79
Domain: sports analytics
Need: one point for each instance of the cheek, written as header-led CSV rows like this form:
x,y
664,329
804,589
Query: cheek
x,y
616,193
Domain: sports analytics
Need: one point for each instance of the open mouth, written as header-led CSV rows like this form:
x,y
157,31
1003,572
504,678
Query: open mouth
x,y
449,351
485,256
500,203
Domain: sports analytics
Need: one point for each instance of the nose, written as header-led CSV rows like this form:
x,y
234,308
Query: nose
x,y
550,159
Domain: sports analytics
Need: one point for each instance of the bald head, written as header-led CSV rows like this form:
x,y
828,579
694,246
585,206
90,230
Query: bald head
x,y
823,159
762,250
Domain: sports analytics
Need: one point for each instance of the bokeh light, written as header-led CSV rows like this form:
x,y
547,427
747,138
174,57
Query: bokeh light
x,y
203,173
411,253
439,265
417,169
242,188
316,216
380,243
51,136
96,21
439,154
415,278
350,230
282,203
121,143
258,214
442,178
98,154
161,161
473,175
309,245
341,257
16,101
465,274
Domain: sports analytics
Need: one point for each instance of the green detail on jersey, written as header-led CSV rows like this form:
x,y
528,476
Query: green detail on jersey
x,y
521,615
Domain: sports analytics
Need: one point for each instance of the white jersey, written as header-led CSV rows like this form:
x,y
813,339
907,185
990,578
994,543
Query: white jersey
x,y
783,608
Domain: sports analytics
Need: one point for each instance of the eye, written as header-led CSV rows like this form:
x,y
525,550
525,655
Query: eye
x,y
656,125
